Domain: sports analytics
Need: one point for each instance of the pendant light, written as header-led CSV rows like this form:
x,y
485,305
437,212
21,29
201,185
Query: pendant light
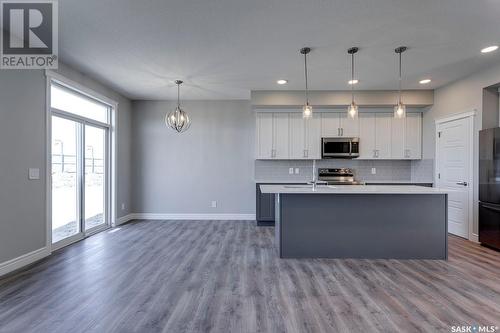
x,y
352,109
306,109
400,108
178,119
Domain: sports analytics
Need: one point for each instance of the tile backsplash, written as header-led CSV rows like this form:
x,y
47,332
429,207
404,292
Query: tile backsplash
x,y
386,170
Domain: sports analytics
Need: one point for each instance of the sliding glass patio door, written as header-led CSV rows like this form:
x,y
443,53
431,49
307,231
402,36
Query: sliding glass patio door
x,y
80,165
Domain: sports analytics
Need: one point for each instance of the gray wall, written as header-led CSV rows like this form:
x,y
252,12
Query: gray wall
x,y
460,96
182,173
22,145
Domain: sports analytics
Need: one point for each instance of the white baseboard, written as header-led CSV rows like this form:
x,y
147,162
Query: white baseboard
x,y
26,259
223,217
124,219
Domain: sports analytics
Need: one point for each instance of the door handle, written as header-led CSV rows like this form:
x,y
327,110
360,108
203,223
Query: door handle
x,y
338,131
341,132
462,183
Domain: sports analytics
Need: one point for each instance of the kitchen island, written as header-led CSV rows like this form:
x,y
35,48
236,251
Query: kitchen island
x,y
360,221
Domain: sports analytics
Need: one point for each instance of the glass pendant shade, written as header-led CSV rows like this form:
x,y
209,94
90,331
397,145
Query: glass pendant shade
x,y
178,120
400,110
352,110
307,111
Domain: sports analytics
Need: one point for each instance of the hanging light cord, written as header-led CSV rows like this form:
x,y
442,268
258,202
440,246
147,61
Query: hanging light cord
x,y
352,77
305,74
400,63
178,95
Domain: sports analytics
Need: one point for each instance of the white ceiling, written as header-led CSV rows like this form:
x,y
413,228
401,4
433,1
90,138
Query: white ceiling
x,y
223,49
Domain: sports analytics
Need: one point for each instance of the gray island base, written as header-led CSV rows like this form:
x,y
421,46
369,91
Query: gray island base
x,y
400,222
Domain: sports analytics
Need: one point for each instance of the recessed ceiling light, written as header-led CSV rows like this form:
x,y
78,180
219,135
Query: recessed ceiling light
x,y
353,81
282,81
425,81
489,49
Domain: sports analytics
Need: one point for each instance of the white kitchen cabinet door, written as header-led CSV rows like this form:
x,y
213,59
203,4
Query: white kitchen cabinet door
x,y
398,130
383,122
330,125
264,136
348,127
366,136
280,137
313,137
297,138
413,136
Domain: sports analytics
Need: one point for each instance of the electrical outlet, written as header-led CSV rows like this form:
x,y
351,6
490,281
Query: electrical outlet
x,y
123,206
374,171
290,171
33,173
297,171
214,204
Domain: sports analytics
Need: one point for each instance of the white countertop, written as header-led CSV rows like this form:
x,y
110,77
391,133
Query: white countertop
x,y
351,189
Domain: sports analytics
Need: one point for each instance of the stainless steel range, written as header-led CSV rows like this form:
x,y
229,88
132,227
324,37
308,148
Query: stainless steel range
x,y
337,176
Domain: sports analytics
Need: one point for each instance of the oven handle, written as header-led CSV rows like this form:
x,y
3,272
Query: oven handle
x,y
491,207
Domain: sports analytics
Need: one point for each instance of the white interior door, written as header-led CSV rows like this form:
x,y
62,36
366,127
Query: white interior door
x,y
453,162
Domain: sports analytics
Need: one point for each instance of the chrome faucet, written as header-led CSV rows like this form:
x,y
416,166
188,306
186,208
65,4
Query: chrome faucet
x,y
314,181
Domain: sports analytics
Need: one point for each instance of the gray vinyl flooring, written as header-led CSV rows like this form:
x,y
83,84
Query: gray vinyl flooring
x,y
224,276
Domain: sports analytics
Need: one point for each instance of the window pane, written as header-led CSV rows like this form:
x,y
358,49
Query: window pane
x,y
65,179
95,181
65,100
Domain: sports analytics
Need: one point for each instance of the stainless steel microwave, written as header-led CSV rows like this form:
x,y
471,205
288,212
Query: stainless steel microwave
x,y
339,147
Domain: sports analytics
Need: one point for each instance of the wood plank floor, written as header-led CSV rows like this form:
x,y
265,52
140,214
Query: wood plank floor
x,y
224,276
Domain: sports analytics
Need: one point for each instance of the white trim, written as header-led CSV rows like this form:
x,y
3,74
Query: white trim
x,y
64,81
25,259
222,217
456,116
471,118
111,140
123,219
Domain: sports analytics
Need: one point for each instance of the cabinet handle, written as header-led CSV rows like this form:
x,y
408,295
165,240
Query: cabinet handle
x,y
307,152
338,131
273,153
377,152
374,153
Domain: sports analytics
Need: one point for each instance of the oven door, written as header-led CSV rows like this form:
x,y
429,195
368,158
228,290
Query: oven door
x,y
337,148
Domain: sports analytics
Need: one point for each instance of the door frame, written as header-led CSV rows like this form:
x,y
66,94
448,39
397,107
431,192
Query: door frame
x,y
471,117
111,195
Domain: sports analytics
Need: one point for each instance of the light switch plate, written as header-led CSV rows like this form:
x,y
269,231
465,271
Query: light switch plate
x,y
214,204
297,171
374,171
33,173
290,171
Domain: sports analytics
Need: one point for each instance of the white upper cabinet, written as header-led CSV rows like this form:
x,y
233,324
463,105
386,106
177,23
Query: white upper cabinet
x,y
280,140
337,124
297,136
398,138
272,136
313,137
305,137
348,127
367,136
383,135
413,136
282,135
330,125
264,136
